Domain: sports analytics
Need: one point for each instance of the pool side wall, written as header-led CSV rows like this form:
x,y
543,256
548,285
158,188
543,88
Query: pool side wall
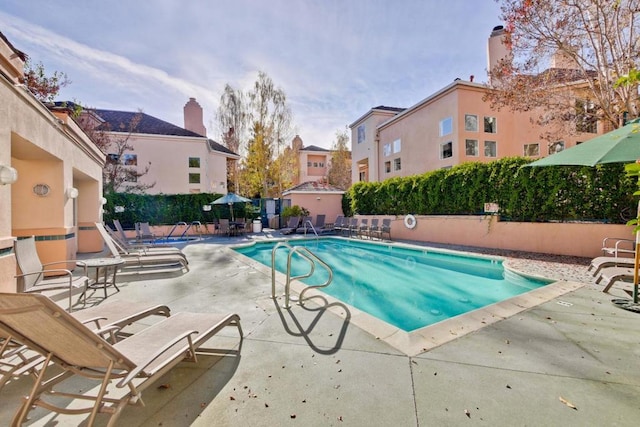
x,y
574,239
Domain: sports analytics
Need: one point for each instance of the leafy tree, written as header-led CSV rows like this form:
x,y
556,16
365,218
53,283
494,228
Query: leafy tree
x,y
44,88
339,174
264,111
594,41
231,117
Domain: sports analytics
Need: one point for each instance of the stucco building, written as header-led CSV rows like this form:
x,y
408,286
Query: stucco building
x,y
50,175
452,126
180,160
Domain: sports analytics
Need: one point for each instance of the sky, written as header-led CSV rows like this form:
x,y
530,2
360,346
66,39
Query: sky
x,y
334,59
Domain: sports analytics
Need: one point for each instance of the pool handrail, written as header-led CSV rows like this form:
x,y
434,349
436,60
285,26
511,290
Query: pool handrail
x,y
309,256
310,226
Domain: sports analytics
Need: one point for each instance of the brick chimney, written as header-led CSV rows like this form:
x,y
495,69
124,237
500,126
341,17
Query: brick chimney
x,y
193,117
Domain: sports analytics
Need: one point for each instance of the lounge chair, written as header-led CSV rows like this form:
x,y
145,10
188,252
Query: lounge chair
x,y
339,224
32,272
305,225
598,263
385,228
139,260
16,359
143,232
224,227
352,228
374,227
363,228
120,230
141,248
292,225
618,247
76,351
609,275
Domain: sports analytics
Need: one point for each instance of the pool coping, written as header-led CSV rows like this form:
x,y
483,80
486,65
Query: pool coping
x,y
423,339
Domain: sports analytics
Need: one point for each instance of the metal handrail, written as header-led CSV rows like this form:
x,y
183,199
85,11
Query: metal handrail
x,y
309,256
312,227
174,228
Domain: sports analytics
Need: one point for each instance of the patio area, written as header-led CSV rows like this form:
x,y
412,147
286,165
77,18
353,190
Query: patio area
x,y
571,361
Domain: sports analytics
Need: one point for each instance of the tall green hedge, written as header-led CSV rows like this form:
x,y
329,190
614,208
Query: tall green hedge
x,y
562,193
169,209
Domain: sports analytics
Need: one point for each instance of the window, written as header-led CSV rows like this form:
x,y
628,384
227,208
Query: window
x,y
532,149
194,162
586,116
446,150
490,125
490,149
471,123
396,146
446,126
308,164
387,167
315,164
130,159
194,178
321,164
386,150
556,147
113,158
360,134
362,176
397,164
471,147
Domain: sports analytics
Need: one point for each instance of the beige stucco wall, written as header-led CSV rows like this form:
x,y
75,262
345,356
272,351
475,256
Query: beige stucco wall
x,y
329,204
44,149
366,152
574,239
311,173
169,170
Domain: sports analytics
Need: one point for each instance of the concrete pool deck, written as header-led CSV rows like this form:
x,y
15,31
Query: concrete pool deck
x,y
310,366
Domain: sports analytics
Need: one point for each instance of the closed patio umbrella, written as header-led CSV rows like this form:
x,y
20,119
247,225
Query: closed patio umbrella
x,y
618,146
230,199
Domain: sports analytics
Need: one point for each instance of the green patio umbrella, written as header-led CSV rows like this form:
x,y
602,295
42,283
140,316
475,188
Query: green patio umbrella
x,y
230,199
618,146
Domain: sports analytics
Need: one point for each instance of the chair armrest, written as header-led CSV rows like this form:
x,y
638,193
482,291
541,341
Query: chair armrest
x,y
68,261
134,373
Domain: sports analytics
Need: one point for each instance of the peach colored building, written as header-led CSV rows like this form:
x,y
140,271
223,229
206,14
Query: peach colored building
x,y
317,199
452,126
180,160
50,175
314,161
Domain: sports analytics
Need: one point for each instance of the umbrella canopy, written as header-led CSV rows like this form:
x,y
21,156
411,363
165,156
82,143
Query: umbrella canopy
x,y
618,146
230,199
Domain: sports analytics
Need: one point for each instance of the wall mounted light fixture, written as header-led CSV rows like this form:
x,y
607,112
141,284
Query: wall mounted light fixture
x,y
72,192
8,175
103,201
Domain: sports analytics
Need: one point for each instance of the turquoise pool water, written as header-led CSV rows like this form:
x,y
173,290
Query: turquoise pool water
x,y
408,288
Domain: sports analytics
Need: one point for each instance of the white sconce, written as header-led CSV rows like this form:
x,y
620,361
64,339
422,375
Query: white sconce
x,y
8,175
72,193
206,208
317,198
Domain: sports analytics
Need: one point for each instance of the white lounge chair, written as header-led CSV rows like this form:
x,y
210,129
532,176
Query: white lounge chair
x,y
32,272
135,362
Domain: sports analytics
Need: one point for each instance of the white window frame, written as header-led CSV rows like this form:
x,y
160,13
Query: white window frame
x,y
495,145
386,150
446,126
471,122
397,164
493,122
442,145
531,150
387,166
397,146
476,151
361,135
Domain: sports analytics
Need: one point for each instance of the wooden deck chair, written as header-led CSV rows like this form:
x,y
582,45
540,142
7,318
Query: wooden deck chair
x,y
140,260
17,360
32,272
135,362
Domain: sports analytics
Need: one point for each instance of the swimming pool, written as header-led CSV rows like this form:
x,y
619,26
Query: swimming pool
x,y
409,288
